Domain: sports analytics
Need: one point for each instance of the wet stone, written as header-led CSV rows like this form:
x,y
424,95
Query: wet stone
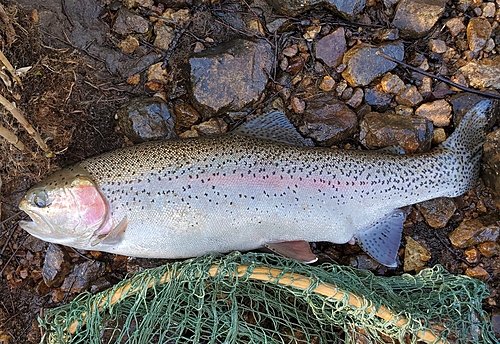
x,y
409,97
327,83
364,65
478,32
83,275
472,255
438,111
416,255
491,162
230,76
127,22
346,8
377,97
483,74
332,47
489,249
477,272
437,212
438,136
185,116
213,126
437,46
146,119
415,18
476,231
56,267
455,25
392,84
356,98
328,121
413,134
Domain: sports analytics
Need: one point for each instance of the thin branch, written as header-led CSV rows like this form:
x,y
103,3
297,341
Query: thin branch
x,y
11,138
440,78
11,69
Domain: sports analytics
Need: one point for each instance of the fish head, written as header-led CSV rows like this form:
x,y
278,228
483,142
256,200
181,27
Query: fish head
x,y
66,208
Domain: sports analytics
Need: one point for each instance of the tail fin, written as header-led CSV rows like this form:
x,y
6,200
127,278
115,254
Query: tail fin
x,y
466,144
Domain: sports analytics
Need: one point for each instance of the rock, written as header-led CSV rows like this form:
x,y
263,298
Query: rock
x,y
364,65
478,32
489,249
230,76
185,116
364,262
409,97
356,98
415,18
213,126
437,212
156,73
438,136
392,84
382,35
298,105
483,74
476,231
328,121
146,119
461,103
477,272
83,275
56,266
416,255
377,97
438,111
291,50
472,255
331,48
327,83
127,22
491,162
488,9
455,25
495,323
413,134
437,46
129,44
346,8
164,35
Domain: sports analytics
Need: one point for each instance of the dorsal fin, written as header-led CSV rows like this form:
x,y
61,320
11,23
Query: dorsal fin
x,y
273,125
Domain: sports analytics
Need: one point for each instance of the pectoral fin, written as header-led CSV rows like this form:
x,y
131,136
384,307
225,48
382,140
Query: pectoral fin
x,y
113,236
381,240
298,250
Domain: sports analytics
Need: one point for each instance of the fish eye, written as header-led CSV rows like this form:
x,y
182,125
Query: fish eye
x,y
41,199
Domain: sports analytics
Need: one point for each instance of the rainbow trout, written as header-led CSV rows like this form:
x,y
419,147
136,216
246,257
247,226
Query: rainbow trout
x,y
242,191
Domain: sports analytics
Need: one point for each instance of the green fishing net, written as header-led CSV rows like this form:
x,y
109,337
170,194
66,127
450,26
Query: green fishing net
x,y
259,298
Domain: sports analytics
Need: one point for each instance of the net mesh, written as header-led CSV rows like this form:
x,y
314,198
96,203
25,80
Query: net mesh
x,y
259,298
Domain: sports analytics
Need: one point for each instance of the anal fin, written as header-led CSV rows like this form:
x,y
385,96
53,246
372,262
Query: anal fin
x,y
298,250
382,239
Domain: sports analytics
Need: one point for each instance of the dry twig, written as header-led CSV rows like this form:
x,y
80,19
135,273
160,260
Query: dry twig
x,y
11,69
11,138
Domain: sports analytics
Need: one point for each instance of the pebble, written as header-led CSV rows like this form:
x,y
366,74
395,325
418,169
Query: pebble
x,y
488,9
404,110
392,84
347,9
298,105
437,212
478,32
164,35
134,79
438,136
477,272
213,126
438,111
328,121
56,266
413,134
291,50
483,74
491,162
415,18
129,44
356,98
331,48
472,255
230,76
327,83
455,25
364,65
383,35
83,275
376,97
146,119
185,116
437,46
409,97
127,22
156,73
476,231
416,255
489,249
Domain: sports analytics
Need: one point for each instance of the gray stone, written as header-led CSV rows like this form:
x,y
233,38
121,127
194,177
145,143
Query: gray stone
x,y
185,116
491,162
346,8
83,275
437,212
213,126
478,32
127,22
376,97
332,47
146,119
461,103
364,65
409,97
438,111
476,231
56,267
413,134
328,121
415,18
483,74
230,76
